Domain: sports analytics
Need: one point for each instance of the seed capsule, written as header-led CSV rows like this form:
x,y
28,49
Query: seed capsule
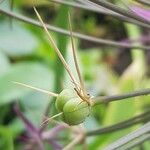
x,y
75,111
63,97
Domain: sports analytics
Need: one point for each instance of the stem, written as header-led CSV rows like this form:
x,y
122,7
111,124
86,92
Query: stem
x,y
138,141
145,2
75,57
47,120
99,9
122,125
37,89
119,10
75,34
11,4
30,127
114,14
74,142
62,41
128,138
108,99
56,48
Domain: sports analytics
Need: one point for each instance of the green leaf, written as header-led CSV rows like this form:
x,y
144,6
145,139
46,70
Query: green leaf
x,y
4,63
16,41
33,74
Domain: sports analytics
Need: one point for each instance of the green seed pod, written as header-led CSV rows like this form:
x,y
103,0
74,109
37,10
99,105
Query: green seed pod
x,y
75,111
63,97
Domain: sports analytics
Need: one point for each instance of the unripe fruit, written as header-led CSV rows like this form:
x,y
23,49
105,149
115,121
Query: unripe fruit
x,y
75,111
63,97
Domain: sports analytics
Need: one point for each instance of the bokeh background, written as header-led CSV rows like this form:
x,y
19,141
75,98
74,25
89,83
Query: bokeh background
x,y
26,56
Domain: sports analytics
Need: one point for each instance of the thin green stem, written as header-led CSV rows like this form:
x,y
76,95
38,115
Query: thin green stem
x,y
36,89
75,141
108,99
75,57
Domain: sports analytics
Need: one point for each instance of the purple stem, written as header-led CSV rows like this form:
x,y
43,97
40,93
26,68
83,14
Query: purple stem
x,y
34,132
53,132
55,145
142,12
29,126
143,39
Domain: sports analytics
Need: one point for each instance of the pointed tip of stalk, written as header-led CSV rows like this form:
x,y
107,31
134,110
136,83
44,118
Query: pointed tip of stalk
x,y
35,88
75,57
45,122
34,8
55,46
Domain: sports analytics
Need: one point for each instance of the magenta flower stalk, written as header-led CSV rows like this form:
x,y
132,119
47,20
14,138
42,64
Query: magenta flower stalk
x,y
141,11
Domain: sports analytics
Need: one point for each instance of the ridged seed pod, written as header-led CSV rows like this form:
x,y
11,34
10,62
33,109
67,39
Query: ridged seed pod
x,y
75,111
63,97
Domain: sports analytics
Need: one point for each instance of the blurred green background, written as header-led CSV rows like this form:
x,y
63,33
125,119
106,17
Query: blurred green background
x,y
27,57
